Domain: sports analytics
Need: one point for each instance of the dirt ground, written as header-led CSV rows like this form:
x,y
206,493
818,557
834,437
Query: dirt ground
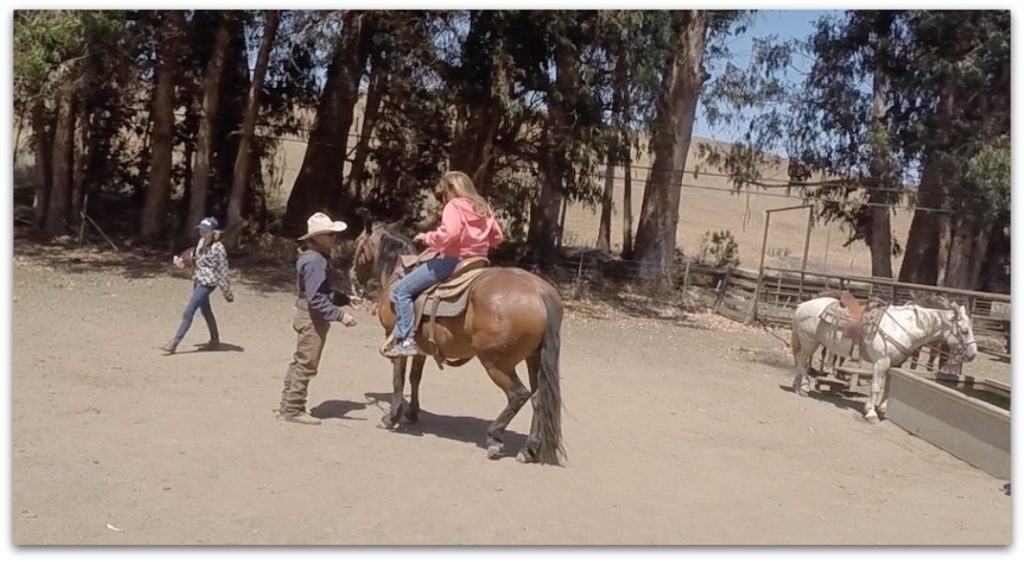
x,y
678,431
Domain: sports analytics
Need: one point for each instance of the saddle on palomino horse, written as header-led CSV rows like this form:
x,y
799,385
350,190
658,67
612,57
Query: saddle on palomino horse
x,y
447,299
852,317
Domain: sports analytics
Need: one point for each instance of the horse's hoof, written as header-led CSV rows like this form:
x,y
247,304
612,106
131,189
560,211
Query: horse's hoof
x,y
386,423
871,418
494,451
525,458
801,392
408,420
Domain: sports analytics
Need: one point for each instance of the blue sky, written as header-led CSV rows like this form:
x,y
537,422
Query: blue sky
x,y
786,24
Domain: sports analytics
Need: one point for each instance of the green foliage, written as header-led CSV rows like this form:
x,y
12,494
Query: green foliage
x,y
719,249
445,69
988,172
53,45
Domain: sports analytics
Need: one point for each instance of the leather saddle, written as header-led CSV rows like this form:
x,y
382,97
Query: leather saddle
x,y
850,315
447,299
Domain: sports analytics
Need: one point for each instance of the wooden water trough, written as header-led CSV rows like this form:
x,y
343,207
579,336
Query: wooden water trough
x,y
967,417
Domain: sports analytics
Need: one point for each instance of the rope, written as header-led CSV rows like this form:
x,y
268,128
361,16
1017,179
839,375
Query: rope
x,y
771,332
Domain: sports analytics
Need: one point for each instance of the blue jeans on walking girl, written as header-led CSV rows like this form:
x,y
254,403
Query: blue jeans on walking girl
x,y
200,300
409,287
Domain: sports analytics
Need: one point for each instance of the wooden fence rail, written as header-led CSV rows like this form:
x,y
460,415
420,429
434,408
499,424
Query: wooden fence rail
x,y
773,297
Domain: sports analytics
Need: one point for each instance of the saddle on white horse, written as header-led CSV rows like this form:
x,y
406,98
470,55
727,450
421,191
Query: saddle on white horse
x,y
855,320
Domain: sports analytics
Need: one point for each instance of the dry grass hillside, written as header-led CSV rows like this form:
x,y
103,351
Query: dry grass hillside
x,y
707,204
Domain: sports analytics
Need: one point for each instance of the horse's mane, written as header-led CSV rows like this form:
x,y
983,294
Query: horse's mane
x,y
392,245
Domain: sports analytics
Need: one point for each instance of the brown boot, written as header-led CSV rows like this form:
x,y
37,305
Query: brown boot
x,y
170,347
299,417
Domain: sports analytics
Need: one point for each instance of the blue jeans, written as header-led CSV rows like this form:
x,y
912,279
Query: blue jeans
x,y
415,282
201,300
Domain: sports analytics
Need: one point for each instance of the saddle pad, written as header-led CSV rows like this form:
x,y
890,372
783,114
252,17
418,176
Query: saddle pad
x,y
453,288
835,315
452,296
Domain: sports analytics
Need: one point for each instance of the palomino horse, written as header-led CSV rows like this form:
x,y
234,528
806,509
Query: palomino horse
x,y
901,330
511,316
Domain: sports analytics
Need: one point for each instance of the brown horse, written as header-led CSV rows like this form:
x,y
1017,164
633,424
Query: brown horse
x,y
511,316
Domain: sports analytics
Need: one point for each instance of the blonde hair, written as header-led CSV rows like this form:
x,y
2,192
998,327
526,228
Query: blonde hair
x,y
458,184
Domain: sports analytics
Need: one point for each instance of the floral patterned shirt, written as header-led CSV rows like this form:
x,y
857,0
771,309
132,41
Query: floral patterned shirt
x,y
211,267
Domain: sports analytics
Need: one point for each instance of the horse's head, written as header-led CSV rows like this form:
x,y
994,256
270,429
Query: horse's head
x,y
958,331
376,251
961,336
365,255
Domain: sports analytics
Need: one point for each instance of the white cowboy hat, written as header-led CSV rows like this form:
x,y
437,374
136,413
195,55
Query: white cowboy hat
x,y
320,223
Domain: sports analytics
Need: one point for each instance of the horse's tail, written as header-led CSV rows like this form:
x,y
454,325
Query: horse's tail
x,y
548,407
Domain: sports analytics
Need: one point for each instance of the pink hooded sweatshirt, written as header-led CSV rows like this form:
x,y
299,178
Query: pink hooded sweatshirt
x,y
464,233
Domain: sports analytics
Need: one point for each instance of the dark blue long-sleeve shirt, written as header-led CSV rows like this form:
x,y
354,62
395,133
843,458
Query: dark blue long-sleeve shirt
x,y
314,282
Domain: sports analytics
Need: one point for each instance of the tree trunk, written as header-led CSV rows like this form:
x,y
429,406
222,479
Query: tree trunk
x,y
474,150
243,160
626,150
17,135
928,239
992,271
484,156
544,217
202,170
880,230
962,233
920,259
318,185
162,153
374,96
235,85
881,240
947,226
677,105
627,205
604,233
479,121
980,254
63,154
561,223
542,239
604,229
41,143
81,159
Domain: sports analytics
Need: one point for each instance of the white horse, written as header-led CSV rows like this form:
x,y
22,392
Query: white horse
x,y
901,330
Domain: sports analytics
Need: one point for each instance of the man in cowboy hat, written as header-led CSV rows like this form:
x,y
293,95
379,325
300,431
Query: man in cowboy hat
x,y
315,309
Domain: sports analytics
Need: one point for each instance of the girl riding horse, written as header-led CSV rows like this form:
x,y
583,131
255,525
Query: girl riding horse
x,y
512,317
468,229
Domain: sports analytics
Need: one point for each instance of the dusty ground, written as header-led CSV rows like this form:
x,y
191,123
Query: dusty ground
x,y
678,431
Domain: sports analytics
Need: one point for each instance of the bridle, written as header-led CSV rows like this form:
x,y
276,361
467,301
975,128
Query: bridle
x,y
364,254
961,336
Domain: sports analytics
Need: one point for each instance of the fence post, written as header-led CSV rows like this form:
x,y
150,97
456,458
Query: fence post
x,y
752,313
807,249
760,268
81,219
686,276
723,286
